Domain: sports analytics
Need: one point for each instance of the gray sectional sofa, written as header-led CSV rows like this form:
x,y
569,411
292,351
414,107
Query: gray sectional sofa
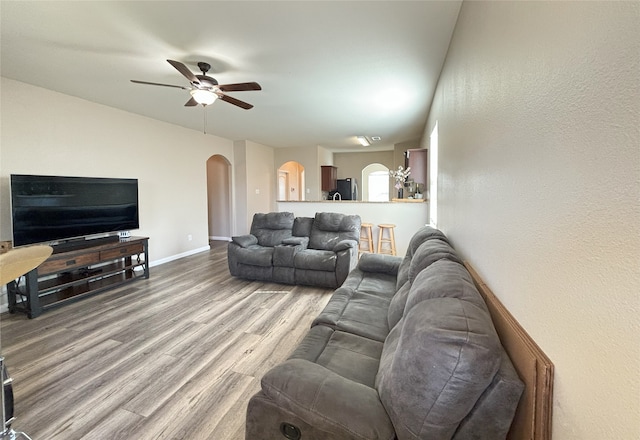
x,y
405,349
315,251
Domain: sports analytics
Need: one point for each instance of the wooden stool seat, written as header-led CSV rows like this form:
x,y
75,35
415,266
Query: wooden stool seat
x,y
366,238
386,245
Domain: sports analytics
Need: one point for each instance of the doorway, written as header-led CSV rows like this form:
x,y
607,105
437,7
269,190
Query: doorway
x,y
219,198
291,182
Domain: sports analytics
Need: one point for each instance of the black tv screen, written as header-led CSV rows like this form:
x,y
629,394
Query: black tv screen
x,y
55,208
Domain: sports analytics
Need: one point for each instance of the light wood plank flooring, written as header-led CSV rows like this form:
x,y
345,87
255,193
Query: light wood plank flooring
x,y
174,357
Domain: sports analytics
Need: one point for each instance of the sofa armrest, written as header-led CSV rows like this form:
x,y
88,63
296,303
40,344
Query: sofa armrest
x,y
327,400
379,263
344,245
296,241
245,240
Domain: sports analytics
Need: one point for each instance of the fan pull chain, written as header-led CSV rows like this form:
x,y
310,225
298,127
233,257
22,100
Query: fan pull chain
x,y
204,119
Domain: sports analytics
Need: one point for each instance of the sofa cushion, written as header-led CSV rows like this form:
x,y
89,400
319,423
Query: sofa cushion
x,y
334,406
271,228
351,356
320,278
397,304
283,255
357,313
429,252
436,362
255,255
302,226
330,228
492,415
315,260
379,263
423,234
380,284
444,278
244,240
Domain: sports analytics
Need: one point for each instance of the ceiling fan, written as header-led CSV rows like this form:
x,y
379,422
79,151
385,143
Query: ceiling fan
x,y
204,89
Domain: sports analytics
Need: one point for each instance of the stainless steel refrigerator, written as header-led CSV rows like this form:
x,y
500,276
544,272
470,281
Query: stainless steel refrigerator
x,y
348,188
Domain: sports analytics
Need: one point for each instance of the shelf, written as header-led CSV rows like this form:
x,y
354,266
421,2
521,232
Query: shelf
x,y
70,274
85,288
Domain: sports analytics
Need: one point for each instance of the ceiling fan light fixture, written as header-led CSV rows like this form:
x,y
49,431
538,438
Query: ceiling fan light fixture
x,y
204,97
363,141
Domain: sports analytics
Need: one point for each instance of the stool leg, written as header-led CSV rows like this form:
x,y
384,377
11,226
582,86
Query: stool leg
x,y
393,241
370,234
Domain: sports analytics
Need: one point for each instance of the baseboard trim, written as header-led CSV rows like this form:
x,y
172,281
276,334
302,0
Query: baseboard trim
x,y
214,237
178,256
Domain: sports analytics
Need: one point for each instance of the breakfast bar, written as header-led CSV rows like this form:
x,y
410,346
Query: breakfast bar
x,y
407,214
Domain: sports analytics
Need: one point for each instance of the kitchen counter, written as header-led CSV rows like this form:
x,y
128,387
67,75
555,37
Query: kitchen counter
x,y
407,214
355,201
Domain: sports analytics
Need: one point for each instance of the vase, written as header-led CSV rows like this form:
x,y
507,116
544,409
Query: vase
x,y
400,192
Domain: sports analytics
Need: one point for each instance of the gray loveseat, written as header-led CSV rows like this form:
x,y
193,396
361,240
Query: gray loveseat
x,y
405,350
315,251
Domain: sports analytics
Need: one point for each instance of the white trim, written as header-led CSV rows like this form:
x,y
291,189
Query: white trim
x,y
211,237
178,256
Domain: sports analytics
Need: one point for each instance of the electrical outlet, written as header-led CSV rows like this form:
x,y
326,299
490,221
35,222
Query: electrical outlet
x,y
257,191
189,237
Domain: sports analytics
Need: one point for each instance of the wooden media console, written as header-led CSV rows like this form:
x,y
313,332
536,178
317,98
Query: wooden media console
x,y
77,271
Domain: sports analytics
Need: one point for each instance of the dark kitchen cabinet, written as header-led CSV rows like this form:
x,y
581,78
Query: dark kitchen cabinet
x,y
329,177
417,160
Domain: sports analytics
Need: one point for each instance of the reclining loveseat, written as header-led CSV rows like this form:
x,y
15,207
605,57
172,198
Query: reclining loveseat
x,y
314,251
405,349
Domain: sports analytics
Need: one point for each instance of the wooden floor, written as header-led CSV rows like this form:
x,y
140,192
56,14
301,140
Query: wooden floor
x,y
174,357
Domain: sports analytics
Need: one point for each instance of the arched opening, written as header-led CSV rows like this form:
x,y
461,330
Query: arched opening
x,y
375,183
291,182
219,198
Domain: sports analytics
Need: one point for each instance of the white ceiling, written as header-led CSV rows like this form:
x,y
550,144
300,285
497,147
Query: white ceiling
x,y
329,70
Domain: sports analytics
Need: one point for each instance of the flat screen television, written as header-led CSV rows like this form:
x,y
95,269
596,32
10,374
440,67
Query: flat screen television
x,y
46,209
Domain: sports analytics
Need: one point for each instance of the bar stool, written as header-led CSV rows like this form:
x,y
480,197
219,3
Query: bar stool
x,y
366,239
390,240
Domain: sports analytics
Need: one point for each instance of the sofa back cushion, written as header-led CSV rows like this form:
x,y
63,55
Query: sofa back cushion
x,y
423,234
330,228
428,253
443,278
270,229
302,226
435,364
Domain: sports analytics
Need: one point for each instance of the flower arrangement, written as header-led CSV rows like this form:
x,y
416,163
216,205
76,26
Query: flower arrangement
x,y
400,175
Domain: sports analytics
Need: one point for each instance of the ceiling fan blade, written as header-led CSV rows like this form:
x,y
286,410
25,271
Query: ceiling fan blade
x,y
185,71
191,103
234,101
158,84
240,87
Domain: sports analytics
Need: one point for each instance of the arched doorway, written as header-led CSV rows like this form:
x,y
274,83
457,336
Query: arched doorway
x,y
219,198
375,183
291,181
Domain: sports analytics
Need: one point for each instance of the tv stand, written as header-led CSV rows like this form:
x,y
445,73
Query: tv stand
x,y
77,272
82,243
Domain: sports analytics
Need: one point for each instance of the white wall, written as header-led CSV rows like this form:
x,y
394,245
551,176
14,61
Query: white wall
x,y
309,159
539,187
407,216
44,132
255,183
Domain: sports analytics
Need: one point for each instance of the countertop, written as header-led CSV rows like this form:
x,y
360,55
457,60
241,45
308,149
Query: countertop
x,y
355,201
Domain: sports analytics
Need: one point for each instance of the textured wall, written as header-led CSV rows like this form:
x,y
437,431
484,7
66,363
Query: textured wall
x,y
538,114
